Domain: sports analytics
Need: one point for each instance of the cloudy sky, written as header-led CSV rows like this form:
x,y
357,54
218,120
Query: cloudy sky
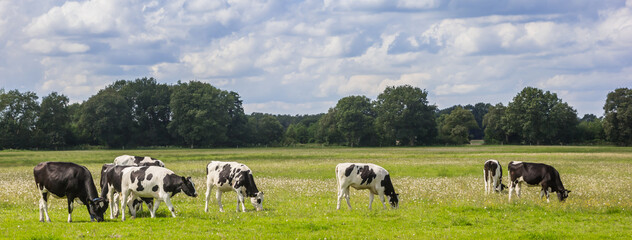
x,y
301,57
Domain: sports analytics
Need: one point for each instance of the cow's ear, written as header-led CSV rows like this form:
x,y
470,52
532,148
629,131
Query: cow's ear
x,y
568,191
189,178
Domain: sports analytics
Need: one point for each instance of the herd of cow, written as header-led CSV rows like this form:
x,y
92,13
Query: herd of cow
x,y
133,180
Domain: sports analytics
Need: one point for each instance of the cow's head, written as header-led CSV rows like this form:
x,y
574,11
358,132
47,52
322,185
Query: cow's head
x,y
257,201
188,187
563,194
394,200
97,207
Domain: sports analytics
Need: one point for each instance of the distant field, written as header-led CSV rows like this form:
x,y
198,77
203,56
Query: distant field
x,y
441,196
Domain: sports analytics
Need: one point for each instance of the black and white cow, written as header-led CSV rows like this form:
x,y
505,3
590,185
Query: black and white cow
x,y
232,176
111,176
128,160
536,174
70,181
493,174
153,182
365,176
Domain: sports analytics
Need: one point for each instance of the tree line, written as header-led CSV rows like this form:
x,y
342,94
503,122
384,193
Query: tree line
x,y
144,112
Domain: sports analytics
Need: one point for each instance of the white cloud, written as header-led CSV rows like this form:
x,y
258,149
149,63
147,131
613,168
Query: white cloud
x,y
46,46
447,89
75,18
282,56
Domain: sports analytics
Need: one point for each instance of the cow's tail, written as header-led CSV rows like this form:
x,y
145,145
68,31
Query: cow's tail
x,y
337,176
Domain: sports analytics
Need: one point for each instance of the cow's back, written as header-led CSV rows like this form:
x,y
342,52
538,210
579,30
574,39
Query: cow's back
x,y
61,177
360,175
146,181
225,175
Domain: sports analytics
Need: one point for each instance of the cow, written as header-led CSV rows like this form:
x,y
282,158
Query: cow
x,y
128,160
137,161
365,176
70,181
153,182
232,176
493,176
536,174
111,187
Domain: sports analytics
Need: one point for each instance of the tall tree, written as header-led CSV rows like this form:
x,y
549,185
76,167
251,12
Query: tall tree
x,y
202,114
403,114
327,131
493,123
617,122
539,117
478,110
54,120
105,117
148,103
354,118
18,116
264,129
454,127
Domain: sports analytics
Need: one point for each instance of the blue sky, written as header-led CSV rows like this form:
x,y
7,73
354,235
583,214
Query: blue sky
x,y
301,57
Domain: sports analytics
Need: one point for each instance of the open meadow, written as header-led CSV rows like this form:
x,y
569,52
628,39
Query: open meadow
x,y
441,196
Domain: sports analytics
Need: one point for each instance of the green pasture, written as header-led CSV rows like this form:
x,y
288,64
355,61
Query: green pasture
x,y
441,196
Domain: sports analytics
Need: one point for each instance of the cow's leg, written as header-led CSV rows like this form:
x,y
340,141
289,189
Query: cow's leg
x,y
511,188
486,182
153,210
111,202
381,194
346,193
207,195
371,196
340,196
494,185
43,207
149,202
240,200
123,196
544,191
518,186
70,201
170,206
218,196
131,206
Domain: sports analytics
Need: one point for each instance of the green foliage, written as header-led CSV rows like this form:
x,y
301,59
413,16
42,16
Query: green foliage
x,y
18,116
403,114
617,122
264,129
537,117
590,129
454,127
54,121
148,104
493,123
354,118
106,119
197,115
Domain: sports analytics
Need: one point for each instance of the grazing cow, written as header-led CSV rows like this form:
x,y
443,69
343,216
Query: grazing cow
x,y
153,182
536,174
232,176
111,187
128,160
493,174
365,176
70,181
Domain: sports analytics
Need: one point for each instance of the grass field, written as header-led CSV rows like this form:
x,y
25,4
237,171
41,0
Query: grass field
x,y
441,196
